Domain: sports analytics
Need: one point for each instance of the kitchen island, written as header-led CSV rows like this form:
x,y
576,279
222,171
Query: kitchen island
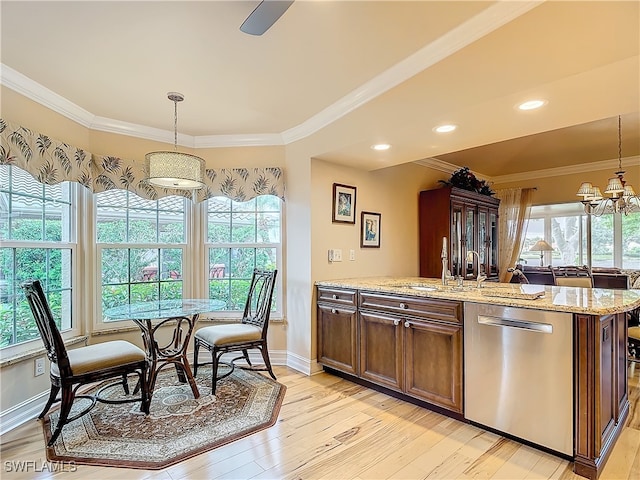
x,y
406,335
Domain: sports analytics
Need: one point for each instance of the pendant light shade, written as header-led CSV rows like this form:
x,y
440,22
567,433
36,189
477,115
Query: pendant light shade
x,y
175,169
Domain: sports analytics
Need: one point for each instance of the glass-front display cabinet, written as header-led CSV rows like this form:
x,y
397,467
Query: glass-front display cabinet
x,y
469,221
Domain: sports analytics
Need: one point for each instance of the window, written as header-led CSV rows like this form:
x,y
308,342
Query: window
x,y
242,236
615,239
141,247
38,234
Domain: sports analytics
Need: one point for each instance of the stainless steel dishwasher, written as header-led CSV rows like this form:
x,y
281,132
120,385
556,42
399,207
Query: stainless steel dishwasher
x,y
519,373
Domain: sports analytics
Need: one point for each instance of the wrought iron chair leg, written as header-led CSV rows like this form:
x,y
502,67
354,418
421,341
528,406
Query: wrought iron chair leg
x,y
125,384
196,347
52,398
65,408
267,361
246,356
214,373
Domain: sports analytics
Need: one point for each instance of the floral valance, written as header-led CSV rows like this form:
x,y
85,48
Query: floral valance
x,y
51,161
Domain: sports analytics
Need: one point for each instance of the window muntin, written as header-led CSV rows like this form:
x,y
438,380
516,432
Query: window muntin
x,y
242,236
141,247
36,229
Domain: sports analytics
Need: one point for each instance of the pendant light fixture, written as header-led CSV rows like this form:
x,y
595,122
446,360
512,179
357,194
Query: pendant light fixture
x,y
175,169
622,198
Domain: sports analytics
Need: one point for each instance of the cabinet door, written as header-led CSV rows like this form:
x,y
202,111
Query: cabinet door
x,y
483,240
469,241
433,363
456,261
381,349
492,247
337,338
608,391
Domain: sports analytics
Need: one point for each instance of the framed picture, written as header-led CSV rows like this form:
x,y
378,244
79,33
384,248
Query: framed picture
x,y
344,204
370,234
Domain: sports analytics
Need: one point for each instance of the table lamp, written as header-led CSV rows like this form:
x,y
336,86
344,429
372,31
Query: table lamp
x,y
541,246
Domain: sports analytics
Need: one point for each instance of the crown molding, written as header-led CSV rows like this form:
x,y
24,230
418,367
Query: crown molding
x,y
485,22
446,167
568,170
22,84
464,34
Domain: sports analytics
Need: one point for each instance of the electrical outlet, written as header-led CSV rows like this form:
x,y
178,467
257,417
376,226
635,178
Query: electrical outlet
x,y
38,367
352,255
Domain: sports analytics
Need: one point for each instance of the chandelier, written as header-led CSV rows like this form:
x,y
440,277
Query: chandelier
x,y
622,198
175,169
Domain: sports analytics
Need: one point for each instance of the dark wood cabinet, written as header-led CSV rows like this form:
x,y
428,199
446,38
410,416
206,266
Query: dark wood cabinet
x,y
381,349
338,329
469,221
420,358
602,403
413,345
433,363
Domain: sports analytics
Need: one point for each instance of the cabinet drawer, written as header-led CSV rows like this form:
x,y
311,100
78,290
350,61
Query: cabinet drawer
x,y
337,296
445,310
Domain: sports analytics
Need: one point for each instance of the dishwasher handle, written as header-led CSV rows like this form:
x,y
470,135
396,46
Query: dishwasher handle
x,y
511,323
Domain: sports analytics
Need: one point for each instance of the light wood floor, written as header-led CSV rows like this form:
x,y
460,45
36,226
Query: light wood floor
x,y
333,429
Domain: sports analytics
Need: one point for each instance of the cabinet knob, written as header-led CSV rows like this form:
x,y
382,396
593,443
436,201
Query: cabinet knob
x,y
404,306
396,322
407,324
335,297
333,310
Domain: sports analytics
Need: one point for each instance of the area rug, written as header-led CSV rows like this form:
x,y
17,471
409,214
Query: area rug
x,y
178,426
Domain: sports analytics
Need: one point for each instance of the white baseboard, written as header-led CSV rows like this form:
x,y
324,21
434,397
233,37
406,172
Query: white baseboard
x,y
23,412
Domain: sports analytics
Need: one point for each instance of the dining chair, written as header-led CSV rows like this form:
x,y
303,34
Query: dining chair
x,y
572,276
250,333
81,366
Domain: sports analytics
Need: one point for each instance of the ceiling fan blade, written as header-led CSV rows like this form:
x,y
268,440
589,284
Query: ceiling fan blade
x,y
264,15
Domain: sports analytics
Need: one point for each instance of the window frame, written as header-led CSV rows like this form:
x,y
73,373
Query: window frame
x,y
100,325
77,325
547,212
278,314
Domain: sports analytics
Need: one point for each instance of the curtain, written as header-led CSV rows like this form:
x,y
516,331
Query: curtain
x,y
514,213
51,161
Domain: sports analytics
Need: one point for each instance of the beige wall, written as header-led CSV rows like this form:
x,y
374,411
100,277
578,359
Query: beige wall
x,y
392,192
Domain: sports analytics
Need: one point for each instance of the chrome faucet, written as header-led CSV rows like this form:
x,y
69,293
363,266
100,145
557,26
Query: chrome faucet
x,y
446,274
481,277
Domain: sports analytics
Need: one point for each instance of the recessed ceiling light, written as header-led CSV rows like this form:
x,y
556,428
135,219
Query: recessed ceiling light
x,y
381,146
531,104
445,128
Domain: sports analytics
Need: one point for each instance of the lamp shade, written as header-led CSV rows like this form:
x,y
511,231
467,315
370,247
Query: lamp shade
x,y
541,246
614,186
175,170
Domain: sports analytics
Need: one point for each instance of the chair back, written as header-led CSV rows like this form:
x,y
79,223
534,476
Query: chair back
x,y
572,276
257,310
47,327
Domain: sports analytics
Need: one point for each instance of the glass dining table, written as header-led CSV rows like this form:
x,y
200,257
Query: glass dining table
x,y
153,315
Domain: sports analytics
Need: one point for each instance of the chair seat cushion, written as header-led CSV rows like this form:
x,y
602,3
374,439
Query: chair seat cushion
x,y
584,282
634,332
229,334
101,356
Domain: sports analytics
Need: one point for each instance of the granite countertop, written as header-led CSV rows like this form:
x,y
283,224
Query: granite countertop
x,y
597,301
